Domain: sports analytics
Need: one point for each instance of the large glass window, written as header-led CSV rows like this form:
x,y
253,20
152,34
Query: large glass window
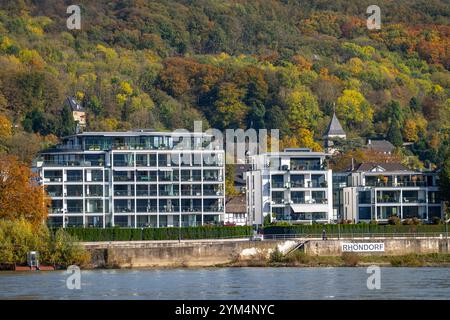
x,y
277,181
364,197
123,160
298,196
364,213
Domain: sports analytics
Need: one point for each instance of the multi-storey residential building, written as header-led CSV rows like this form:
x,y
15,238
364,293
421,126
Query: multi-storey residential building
x,y
293,186
134,179
376,191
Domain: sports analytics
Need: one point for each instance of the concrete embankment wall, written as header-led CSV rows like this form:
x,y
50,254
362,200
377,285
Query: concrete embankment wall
x,y
174,254
216,252
391,246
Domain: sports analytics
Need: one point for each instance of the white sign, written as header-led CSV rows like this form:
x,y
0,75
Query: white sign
x,y
363,247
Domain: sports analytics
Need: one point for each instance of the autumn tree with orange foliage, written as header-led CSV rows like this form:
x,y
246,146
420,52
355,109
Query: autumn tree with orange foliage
x,y
20,196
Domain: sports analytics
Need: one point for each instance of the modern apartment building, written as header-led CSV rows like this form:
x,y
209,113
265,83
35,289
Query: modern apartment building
x,y
376,191
294,186
134,179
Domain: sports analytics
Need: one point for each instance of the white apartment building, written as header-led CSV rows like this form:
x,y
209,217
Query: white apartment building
x,y
293,186
134,179
376,191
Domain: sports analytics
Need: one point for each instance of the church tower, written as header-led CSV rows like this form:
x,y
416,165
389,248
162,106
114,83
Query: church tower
x,y
334,131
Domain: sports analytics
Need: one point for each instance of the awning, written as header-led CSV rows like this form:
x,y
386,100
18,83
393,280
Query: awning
x,y
309,207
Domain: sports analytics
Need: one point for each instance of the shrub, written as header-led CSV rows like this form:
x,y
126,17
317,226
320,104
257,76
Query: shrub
x,y
436,220
276,256
131,234
394,220
350,259
410,260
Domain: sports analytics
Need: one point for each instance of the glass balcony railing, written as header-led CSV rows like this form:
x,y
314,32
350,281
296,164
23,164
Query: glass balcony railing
x,y
55,194
165,193
53,179
146,193
413,200
120,209
74,178
191,208
276,184
212,208
212,192
388,200
147,209
123,193
74,210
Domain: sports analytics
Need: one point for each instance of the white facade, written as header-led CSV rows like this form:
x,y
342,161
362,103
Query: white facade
x,y
134,179
377,195
293,186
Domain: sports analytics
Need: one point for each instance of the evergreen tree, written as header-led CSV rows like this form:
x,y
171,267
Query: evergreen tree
x,y
68,124
394,134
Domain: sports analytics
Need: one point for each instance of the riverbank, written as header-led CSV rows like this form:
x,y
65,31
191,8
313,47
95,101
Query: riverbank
x,y
276,253
302,260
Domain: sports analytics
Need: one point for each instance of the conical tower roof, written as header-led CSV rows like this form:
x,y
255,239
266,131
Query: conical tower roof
x,y
335,128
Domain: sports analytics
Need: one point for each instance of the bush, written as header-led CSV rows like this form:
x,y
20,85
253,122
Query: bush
x,y
436,220
19,237
276,256
394,220
410,260
132,234
350,259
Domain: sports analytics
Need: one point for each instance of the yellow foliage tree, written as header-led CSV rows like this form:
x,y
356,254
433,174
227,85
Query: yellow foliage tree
x,y
20,196
5,128
303,138
410,131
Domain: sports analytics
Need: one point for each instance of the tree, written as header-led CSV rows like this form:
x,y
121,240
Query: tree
x,y
25,146
230,111
303,109
20,196
394,134
353,108
68,124
5,128
444,180
302,138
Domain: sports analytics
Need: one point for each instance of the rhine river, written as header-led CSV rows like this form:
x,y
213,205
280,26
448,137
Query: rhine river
x,y
230,283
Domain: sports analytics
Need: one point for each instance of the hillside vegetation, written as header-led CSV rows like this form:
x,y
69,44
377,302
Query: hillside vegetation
x,y
233,64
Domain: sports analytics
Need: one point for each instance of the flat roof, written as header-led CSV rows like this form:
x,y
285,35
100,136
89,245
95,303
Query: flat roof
x,y
136,133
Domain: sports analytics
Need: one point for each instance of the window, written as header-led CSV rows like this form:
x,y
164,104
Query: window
x,y
364,213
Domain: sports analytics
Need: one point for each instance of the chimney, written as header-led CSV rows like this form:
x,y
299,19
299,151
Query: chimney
x,y
353,164
369,141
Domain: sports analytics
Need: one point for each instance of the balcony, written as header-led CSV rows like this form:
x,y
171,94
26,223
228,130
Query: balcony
x,y
212,192
146,193
147,209
277,184
53,179
168,193
123,193
212,209
388,200
413,200
54,194
74,209
120,209
74,178
191,209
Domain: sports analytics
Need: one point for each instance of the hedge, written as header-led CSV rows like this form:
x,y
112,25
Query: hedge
x,y
130,234
352,228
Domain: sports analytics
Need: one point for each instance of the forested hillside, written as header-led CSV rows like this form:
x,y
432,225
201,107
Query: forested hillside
x,y
262,64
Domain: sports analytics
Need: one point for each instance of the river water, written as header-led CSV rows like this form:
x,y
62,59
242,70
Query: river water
x,y
230,283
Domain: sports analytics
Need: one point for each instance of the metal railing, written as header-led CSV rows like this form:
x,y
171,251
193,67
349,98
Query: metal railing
x,y
356,235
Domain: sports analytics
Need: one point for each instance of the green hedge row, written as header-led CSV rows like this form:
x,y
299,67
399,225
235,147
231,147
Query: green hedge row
x,y
352,228
130,234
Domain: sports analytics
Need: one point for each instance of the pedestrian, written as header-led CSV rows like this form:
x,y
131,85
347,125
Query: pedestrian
x,y
324,235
